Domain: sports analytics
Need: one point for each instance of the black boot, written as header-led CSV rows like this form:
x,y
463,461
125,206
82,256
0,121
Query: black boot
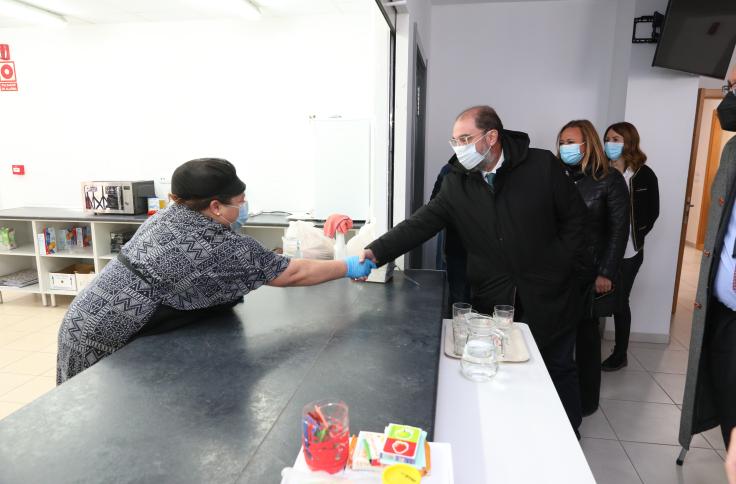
x,y
614,362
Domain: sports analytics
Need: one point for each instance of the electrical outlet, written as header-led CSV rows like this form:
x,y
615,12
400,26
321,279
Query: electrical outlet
x,y
164,180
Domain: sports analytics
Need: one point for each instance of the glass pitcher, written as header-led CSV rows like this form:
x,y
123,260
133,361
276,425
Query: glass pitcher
x,y
482,348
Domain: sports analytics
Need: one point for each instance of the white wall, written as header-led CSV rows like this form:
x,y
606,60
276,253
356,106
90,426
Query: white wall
x,y
539,63
134,101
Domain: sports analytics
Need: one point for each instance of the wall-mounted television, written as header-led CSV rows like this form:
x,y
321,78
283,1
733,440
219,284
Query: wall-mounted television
x,y
698,37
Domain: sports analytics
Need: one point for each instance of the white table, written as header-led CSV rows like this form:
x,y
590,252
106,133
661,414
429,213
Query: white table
x,y
441,455
510,430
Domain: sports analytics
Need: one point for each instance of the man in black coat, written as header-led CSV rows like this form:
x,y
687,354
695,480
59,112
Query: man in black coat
x,y
521,222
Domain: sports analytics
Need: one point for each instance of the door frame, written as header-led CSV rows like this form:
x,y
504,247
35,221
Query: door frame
x,y
703,94
416,256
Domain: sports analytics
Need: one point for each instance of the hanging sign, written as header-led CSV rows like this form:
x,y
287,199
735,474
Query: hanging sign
x,y
8,82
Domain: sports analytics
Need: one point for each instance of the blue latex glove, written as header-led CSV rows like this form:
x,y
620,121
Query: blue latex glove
x,y
356,270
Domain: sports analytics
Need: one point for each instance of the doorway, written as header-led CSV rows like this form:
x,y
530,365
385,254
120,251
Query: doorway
x,y
417,163
707,145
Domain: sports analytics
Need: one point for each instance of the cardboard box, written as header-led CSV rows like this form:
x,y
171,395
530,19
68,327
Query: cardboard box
x,y
69,278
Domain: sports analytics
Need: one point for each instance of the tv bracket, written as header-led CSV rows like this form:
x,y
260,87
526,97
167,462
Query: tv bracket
x,y
657,21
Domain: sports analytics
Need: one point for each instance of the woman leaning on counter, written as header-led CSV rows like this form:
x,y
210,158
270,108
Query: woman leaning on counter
x,y
622,148
182,263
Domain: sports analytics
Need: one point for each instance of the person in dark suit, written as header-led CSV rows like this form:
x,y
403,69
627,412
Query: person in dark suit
x,y
520,219
710,387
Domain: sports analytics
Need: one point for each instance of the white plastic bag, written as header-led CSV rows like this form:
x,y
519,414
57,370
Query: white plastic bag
x,y
312,241
365,236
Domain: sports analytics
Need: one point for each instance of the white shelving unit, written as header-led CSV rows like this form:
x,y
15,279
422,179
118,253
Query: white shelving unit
x,y
28,256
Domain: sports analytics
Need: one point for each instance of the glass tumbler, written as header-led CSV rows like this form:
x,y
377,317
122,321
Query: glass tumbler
x,y
503,315
325,430
460,312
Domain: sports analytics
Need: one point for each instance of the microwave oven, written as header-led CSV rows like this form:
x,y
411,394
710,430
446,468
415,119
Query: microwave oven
x,y
117,197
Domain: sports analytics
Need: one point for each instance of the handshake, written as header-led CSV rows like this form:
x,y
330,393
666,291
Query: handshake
x,y
360,267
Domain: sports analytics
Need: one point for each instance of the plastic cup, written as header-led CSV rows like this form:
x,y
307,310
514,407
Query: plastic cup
x,y
325,430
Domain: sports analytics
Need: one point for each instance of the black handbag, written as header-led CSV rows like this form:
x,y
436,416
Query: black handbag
x,y
603,304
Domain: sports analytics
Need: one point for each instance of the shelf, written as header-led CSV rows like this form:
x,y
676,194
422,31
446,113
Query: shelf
x,y
108,256
34,288
85,253
23,250
58,292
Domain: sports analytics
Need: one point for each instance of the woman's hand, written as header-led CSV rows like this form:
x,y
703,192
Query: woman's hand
x,y
358,269
603,285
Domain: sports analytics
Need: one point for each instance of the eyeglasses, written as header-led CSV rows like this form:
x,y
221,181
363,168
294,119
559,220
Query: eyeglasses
x,y
466,139
729,87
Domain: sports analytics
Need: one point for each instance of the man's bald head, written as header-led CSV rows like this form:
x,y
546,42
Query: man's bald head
x,y
484,117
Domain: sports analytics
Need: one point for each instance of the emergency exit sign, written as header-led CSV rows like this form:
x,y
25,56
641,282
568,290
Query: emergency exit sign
x,y
8,81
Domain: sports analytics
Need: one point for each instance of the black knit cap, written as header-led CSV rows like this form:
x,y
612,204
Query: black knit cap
x,y
206,178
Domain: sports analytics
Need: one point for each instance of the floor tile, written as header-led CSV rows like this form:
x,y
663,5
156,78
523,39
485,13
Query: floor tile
x,y
32,324
6,408
8,356
637,386
35,364
656,423
29,391
11,381
672,345
597,427
715,438
633,363
662,361
32,342
8,336
673,384
655,464
609,462
7,321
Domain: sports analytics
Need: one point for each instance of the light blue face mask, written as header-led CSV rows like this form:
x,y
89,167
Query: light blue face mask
x,y
614,150
242,217
570,154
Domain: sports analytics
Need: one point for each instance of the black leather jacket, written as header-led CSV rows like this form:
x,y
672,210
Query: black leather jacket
x,y
644,193
607,221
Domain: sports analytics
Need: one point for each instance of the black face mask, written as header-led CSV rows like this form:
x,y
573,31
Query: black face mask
x,y
727,112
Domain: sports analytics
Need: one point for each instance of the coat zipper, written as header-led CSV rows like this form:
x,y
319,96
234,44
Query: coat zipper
x,y
631,210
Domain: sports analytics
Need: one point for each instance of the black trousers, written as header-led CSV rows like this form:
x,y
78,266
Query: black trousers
x,y
588,362
721,347
622,315
558,357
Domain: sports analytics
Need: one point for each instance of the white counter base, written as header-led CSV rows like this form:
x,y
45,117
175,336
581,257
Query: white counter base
x,y
512,430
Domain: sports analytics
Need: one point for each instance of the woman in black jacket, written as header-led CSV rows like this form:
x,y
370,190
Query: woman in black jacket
x,y
606,229
622,148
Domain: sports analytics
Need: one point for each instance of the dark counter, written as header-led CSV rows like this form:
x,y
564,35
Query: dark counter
x,y
219,401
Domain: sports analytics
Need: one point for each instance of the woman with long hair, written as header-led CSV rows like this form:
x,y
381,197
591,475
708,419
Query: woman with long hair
x,y
607,223
622,149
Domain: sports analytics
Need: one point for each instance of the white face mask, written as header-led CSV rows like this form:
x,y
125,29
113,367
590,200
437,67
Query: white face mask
x,y
468,155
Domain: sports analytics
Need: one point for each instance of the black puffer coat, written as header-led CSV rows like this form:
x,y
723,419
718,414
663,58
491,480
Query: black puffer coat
x,y
606,222
522,235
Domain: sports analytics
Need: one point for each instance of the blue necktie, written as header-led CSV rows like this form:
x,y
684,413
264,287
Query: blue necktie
x,y
489,178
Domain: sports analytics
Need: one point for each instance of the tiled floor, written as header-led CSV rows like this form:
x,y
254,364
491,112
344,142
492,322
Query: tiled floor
x,y
28,332
632,438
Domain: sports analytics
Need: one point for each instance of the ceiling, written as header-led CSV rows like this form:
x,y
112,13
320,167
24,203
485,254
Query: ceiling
x,y
83,12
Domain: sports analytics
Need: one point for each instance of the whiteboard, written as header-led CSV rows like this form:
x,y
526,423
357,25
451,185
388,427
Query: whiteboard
x,y
342,167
